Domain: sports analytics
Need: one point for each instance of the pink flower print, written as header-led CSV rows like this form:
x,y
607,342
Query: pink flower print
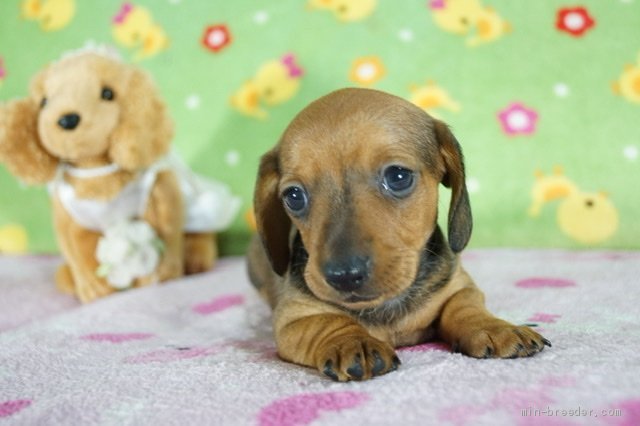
x,y
303,409
173,354
8,408
630,410
219,304
426,347
542,317
116,337
540,282
517,119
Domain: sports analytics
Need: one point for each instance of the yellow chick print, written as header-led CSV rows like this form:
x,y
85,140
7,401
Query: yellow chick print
x,y
479,23
589,218
628,85
134,28
346,10
52,15
549,188
275,82
13,239
431,98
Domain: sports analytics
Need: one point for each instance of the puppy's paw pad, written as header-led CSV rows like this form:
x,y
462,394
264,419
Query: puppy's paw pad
x,y
356,358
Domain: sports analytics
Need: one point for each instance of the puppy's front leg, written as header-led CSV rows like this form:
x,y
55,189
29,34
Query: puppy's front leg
x,y
469,328
316,335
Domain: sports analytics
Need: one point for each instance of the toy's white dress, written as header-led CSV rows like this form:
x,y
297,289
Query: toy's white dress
x,y
210,206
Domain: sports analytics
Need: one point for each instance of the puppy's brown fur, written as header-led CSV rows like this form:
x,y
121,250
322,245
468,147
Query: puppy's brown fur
x,y
415,288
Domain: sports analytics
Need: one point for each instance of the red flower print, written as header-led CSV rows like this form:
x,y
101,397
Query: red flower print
x,y
574,20
216,37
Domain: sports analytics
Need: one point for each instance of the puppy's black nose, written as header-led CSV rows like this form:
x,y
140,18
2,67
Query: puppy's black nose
x,y
347,274
69,121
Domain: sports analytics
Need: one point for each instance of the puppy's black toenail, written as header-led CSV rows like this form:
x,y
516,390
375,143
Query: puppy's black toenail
x,y
455,348
488,352
378,364
328,371
395,363
356,371
546,342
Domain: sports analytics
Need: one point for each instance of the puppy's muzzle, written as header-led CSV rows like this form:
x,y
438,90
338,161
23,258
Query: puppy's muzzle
x,y
347,274
69,121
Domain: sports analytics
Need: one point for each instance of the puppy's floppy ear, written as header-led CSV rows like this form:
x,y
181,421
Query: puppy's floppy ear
x,y
20,147
460,221
145,130
272,221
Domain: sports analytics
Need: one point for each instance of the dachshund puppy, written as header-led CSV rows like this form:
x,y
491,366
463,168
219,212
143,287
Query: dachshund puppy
x,y
350,255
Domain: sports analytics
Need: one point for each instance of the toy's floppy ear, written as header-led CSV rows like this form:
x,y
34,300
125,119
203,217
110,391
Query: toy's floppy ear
x,y
272,221
460,221
145,130
20,147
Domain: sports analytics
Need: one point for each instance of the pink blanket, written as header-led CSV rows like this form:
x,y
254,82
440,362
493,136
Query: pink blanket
x,y
199,351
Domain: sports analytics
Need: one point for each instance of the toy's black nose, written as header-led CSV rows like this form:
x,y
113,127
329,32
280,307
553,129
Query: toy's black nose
x,y
69,121
348,274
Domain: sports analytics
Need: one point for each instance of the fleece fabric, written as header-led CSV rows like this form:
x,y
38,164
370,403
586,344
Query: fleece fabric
x,y
200,350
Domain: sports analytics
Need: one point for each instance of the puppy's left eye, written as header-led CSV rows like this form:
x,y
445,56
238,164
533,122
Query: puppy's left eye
x,y
107,94
398,181
296,200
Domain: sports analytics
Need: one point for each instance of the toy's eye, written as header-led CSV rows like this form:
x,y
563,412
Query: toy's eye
x,y
43,102
296,200
107,94
398,181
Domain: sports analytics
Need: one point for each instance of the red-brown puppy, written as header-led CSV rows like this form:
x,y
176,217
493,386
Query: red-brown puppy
x,y
349,253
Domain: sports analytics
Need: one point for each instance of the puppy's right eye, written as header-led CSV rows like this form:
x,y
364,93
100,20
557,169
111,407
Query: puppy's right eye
x,y
296,200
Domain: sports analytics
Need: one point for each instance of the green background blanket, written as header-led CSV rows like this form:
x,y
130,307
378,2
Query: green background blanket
x,y
544,96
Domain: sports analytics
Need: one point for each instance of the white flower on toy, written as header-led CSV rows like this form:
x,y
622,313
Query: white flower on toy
x,y
128,250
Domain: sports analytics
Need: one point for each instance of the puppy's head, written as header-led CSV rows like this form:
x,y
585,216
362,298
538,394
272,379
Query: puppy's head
x,y
357,174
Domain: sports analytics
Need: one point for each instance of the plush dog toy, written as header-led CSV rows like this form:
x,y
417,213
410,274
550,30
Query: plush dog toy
x,y
126,211
350,255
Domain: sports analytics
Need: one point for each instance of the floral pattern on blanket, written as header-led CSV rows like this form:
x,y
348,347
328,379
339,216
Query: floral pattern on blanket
x,y
550,139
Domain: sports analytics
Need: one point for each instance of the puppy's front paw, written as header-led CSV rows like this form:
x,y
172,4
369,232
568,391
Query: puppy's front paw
x,y
347,358
500,339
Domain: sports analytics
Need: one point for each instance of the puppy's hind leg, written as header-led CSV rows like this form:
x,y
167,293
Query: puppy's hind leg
x,y
469,328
